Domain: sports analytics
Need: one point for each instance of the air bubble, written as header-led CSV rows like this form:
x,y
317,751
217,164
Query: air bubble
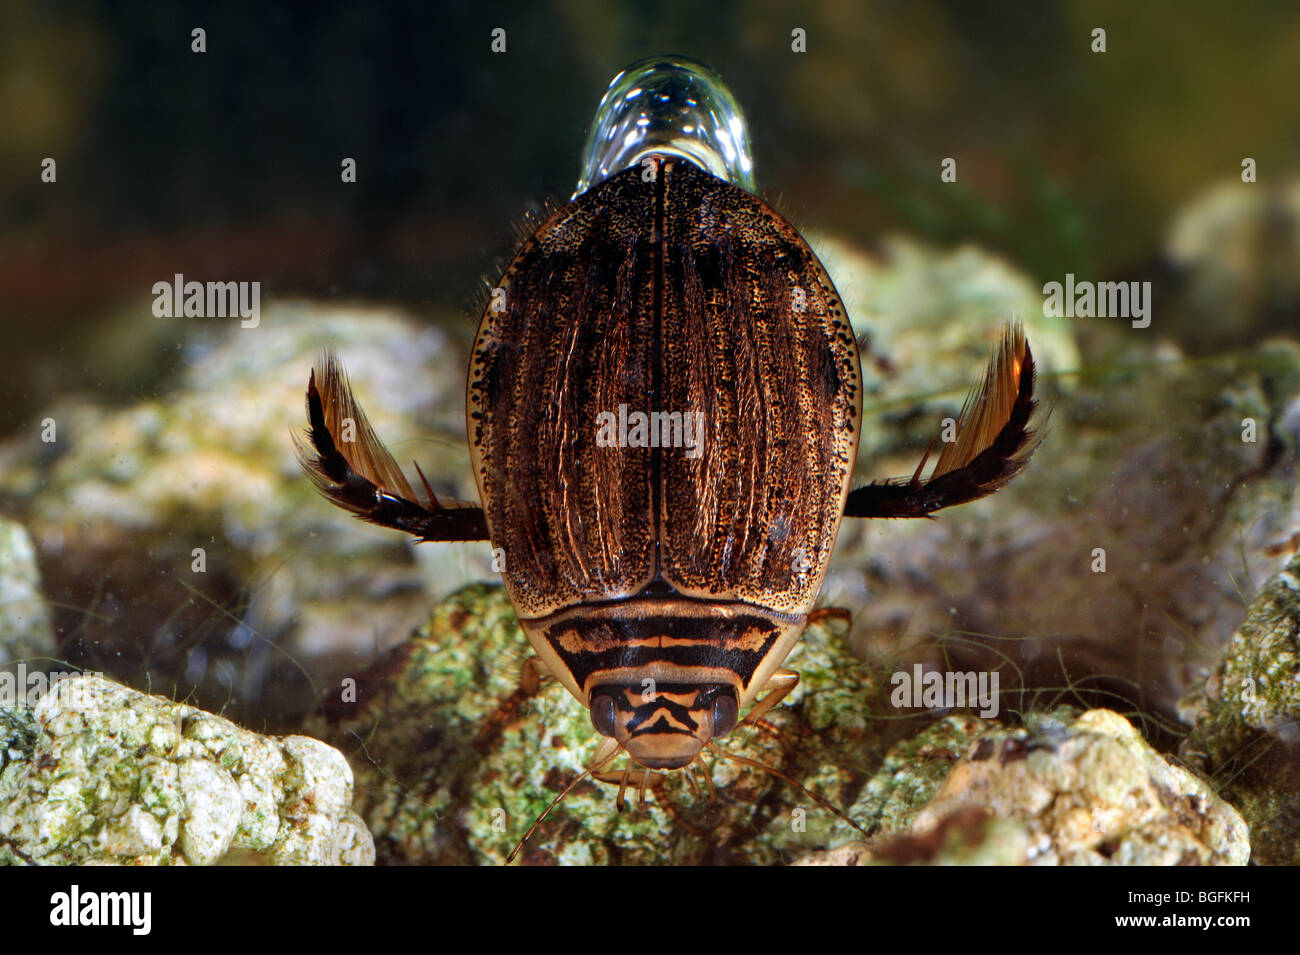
x,y
668,105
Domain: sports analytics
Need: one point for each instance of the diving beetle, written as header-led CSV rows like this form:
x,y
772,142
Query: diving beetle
x,y
663,408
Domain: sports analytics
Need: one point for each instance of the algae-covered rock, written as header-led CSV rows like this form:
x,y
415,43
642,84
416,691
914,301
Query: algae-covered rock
x,y
1067,788
98,773
911,773
1246,720
454,765
25,632
970,836
1090,791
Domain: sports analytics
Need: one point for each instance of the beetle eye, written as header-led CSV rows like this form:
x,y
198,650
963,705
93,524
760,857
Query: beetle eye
x,y
725,712
602,714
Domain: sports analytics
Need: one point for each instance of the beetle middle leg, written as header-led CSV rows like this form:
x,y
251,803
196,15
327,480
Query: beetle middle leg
x,y
532,677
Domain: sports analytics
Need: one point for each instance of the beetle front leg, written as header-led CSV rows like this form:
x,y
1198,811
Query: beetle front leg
x,y
642,778
777,687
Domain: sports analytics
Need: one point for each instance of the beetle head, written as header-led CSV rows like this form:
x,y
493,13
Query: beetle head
x,y
664,726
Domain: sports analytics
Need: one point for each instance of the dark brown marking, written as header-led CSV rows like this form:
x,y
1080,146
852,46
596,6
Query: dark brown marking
x,y
612,643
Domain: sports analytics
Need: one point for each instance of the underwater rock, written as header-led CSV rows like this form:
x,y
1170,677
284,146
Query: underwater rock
x,y
970,836
453,764
1068,788
912,772
182,539
98,773
1245,720
1091,791
1234,254
25,632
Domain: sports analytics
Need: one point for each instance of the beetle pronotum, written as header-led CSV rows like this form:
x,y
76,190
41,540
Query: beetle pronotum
x,y
662,409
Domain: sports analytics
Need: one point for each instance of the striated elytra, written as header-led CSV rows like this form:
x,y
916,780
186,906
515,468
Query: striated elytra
x,y
662,409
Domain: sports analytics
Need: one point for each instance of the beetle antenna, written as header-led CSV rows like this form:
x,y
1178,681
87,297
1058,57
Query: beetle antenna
x,y
825,803
555,802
